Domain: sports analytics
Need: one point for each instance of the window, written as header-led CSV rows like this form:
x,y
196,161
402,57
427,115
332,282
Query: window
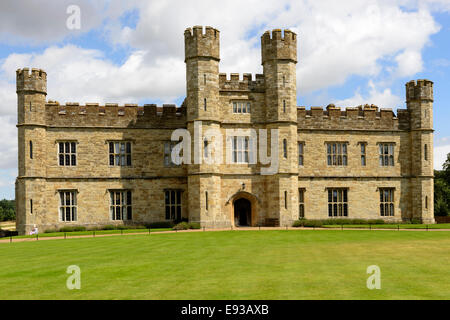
x,y
301,203
241,107
386,154
363,154
337,203
301,146
206,200
240,147
173,204
425,152
67,153
31,206
337,154
31,149
285,152
168,147
285,200
120,206
205,148
68,205
284,81
386,202
120,153
204,78
204,104
426,202
284,106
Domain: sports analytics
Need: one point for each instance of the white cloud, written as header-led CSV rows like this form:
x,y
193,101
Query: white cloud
x,y
440,155
383,98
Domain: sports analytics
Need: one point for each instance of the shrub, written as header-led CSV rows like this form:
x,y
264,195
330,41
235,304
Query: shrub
x,y
159,224
298,223
108,227
194,225
312,223
181,226
72,229
416,221
375,221
50,231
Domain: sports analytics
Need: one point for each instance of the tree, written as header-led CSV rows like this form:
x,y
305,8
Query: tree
x,y
442,189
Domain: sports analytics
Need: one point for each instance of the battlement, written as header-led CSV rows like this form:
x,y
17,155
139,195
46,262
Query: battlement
x,y
35,81
113,114
367,117
233,82
202,44
278,46
419,90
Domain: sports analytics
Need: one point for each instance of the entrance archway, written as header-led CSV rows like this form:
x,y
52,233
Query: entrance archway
x,y
242,212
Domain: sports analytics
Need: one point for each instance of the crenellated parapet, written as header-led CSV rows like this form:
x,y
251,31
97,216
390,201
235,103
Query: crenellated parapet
x,y
279,46
419,90
36,81
233,83
72,114
367,117
199,44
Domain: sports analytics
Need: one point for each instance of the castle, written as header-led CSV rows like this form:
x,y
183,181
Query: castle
x,y
95,165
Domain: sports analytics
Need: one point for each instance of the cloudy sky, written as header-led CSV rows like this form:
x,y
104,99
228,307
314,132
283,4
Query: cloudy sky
x,y
350,52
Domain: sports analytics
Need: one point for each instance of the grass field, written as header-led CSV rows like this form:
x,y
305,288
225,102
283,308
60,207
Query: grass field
x,y
294,264
392,226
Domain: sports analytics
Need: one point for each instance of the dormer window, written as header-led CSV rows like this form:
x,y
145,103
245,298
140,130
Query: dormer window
x,y
241,107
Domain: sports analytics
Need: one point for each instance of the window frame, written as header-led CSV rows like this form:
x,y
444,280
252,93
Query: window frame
x,y
71,155
122,205
337,153
173,204
301,203
339,205
241,149
240,107
72,206
387,201
126,155
301,155
386,159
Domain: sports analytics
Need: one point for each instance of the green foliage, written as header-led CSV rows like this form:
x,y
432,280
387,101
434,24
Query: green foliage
x,y
72,229
159,224
442,193
181,226
194,225
337,221
416,221
7,210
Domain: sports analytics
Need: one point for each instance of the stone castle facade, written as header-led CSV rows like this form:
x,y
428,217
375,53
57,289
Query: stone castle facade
x,y
107,164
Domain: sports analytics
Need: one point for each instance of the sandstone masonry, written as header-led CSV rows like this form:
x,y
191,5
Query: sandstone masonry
x,y
97,164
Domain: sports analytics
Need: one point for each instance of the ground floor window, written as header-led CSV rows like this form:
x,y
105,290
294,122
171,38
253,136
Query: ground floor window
x,y
121,206
173,204
68,205
386,202
301,203
337,203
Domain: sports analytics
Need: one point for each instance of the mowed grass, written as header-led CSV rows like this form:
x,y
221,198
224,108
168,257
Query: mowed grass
x,y
294,264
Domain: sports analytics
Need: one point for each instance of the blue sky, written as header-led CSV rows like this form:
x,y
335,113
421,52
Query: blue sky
x,y
350,53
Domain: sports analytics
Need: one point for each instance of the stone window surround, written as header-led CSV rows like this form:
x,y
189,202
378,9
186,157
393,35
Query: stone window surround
x,y
72,205
125,202
126,153
301,155
301,202
245,104
57,142
387,203
343,155
340,207
175,206
391,156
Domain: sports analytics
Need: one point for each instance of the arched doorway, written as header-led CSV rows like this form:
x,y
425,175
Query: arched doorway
x,y
242,212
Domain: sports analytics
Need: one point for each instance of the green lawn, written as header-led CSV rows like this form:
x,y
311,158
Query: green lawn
x,y
294,264
392,226
91,233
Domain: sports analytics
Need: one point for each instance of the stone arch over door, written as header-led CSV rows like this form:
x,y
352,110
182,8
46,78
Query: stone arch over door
x,y
254,207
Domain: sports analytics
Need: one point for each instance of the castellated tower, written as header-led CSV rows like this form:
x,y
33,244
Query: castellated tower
x,y
31,94
202,56
279,59
419,99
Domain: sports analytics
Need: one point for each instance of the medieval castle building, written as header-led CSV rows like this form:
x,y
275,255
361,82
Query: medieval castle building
x,y
107,164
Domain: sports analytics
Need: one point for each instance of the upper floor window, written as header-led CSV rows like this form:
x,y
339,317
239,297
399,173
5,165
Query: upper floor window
x,y
67,153
386,202
240,146
285,151
425,152
119,153
241,107
120,205
205,148
204,104
337,203
363,154
168,147
337,154
301,147
284,106
31,149
386,154
68,205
